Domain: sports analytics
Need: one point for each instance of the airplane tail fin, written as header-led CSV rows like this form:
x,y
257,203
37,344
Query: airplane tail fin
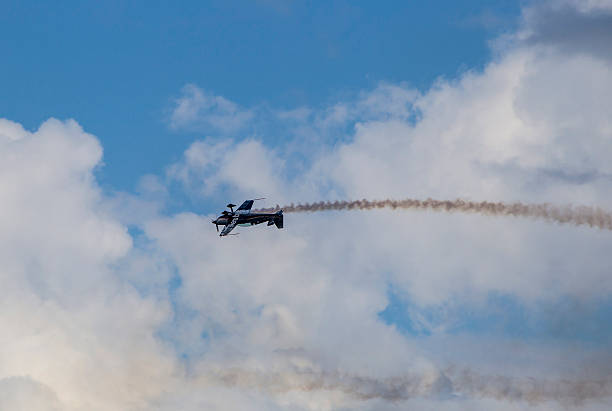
x,y
278,220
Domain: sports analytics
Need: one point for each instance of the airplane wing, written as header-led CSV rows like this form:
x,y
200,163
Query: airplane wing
x,y
246,205
229,227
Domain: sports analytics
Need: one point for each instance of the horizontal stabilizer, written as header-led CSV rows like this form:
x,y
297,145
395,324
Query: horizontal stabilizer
x,y
278,219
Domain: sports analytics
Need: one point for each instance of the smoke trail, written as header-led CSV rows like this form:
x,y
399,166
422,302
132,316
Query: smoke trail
x,y
464,384
569,214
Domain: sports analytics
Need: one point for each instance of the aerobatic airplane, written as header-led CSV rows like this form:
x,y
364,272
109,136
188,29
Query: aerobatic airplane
x,y
244,217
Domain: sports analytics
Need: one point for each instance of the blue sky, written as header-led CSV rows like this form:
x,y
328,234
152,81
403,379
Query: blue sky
x,y
117,66
117,292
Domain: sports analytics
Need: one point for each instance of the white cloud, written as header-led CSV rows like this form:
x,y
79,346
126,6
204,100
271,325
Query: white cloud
x,y
67,342
584,6
10,130
569,26
248,167
532,126
198,110
288,319
22,393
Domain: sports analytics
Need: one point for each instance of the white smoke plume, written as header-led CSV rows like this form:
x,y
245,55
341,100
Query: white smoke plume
x,y
568,214
441,385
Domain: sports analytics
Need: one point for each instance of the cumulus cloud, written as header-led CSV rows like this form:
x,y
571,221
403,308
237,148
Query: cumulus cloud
x,y
248,167
196,109
168,316
532,126
572,26
66,341
22,393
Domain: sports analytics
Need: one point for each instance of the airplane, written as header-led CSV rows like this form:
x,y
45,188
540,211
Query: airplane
x,y
244,217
